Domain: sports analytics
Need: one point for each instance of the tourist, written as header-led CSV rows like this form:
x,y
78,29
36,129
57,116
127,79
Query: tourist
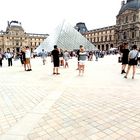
x,y
82,59
1,58
55,59
66,58
139,58
97,53
61,57
90,56
77,53
132,57
9,56
43,56
124,54
22,57
28,57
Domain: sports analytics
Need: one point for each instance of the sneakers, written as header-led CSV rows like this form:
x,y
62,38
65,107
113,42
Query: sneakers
x,y
125,76
56,73
29,70
123,72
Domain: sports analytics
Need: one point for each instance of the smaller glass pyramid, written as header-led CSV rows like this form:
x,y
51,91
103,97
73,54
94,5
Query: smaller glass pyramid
x,y
66,38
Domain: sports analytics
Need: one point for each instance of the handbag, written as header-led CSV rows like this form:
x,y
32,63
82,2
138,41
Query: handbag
x,y
119,59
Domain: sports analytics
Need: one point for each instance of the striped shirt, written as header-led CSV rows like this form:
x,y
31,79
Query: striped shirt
x,y
82,56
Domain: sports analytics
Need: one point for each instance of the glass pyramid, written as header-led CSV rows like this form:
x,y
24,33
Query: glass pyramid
x,y
65,37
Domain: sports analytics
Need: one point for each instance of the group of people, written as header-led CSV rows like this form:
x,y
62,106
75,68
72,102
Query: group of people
x,y
8,55
25,56
130,58
56,55
60,58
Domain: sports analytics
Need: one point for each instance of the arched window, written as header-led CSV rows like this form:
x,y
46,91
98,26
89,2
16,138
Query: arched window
x,y
111,45
17,43
107,47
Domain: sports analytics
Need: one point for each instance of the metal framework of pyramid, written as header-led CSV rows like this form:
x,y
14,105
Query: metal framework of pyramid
x,y
65,37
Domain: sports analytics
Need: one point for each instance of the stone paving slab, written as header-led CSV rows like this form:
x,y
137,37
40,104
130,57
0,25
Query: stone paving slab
x,y
101,105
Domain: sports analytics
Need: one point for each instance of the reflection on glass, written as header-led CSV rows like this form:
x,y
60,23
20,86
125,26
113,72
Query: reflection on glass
x,y
65,37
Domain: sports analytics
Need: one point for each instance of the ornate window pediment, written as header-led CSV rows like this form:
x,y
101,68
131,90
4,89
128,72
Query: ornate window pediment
x,y
129,11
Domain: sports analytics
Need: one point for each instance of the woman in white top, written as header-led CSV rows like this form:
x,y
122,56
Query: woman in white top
x,y
132,60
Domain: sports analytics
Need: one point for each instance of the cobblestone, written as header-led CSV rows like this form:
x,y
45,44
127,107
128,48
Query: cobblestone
x,y
101,105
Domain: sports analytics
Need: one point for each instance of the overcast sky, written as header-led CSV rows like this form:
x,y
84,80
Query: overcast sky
x,y
40,16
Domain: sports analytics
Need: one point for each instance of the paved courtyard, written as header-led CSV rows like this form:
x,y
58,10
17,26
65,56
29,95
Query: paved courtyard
x,y
101,105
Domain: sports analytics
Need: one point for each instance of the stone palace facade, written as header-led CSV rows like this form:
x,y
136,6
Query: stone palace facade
x,y
127,28
14,38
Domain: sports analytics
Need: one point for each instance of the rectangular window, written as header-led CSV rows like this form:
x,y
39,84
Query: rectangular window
x,y
133,35
17,43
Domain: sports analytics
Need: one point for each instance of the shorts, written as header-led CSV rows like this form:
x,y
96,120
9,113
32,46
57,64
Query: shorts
x,y
60,58
81,62
132,62
27,60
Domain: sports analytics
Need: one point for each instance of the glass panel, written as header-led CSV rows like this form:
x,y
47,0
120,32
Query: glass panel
x,y
65,37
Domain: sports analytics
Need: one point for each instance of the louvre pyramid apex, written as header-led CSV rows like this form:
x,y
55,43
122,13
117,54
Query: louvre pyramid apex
x,y
65,37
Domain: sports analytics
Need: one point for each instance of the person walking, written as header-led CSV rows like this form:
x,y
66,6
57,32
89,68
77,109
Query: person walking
x,y
55,60
124,54
43,56
132,57
97,55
